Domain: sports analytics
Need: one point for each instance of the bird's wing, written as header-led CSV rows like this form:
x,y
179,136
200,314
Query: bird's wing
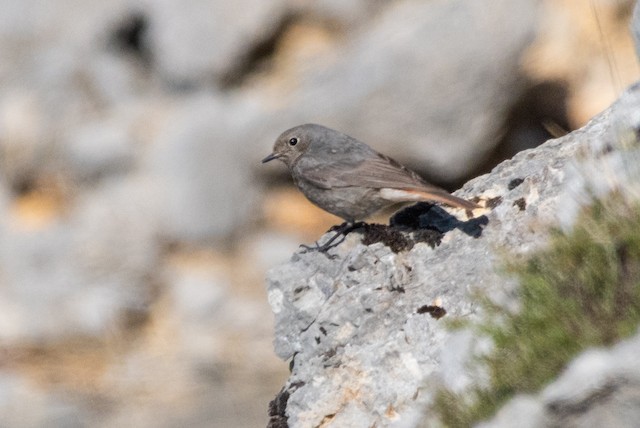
x,y
375,171
380,172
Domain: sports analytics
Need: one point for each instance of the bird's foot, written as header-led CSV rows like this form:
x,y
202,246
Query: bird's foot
x,y
341,231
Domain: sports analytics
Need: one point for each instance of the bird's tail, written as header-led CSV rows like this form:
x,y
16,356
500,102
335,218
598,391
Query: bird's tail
x,y
432,194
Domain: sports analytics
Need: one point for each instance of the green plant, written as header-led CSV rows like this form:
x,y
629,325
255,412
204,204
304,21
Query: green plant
x,y
583,291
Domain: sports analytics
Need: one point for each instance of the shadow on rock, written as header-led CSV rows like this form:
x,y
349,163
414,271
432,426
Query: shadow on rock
x,y
423,222
426,216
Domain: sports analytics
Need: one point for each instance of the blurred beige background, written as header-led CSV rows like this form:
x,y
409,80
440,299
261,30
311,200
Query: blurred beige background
x,y
137,222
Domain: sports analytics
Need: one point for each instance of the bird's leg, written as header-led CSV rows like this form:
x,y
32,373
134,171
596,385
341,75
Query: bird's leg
x,y
341,231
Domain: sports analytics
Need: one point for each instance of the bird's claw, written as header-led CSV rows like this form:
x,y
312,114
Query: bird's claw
x,y
340,231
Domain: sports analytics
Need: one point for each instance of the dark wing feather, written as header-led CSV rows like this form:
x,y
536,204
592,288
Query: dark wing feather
x,y
375,171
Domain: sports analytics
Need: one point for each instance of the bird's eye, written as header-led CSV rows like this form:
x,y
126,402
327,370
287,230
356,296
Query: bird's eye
x,y
293,141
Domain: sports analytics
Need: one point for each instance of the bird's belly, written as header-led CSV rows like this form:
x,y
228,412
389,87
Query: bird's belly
x,y
350,203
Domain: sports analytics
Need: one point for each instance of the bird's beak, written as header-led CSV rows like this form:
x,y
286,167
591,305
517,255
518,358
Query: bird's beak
x,y
271,157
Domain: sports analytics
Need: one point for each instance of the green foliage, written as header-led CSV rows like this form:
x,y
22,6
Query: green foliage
x,y
583,291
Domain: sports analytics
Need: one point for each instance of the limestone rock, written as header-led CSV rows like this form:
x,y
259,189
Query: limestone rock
x,y
363,327
601,387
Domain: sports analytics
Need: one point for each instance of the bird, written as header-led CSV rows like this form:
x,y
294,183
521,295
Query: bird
x,y
348,178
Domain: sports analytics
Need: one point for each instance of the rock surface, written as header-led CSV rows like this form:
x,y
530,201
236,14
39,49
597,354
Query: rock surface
x,y
364,326
132,243
601,387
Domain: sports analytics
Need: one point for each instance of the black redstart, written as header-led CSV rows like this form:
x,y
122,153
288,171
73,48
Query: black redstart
x,y
348,178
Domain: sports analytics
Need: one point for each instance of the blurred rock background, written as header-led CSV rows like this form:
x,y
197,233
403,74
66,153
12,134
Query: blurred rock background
x,y
137,222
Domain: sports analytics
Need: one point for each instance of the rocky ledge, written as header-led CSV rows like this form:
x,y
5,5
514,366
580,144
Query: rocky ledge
x,y
365,326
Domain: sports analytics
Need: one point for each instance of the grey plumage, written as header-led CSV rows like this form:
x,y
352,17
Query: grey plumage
x,y
348,178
